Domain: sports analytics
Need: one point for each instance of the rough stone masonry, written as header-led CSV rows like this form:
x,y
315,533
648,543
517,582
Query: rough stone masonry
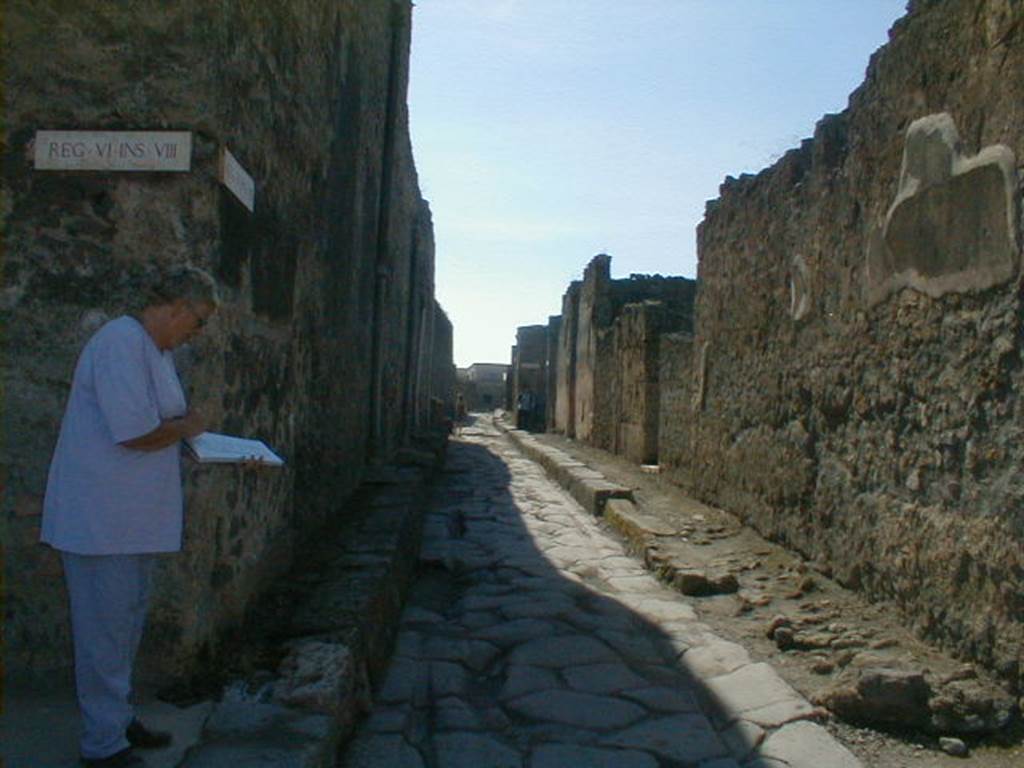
x,y
853,384
848,383
329,345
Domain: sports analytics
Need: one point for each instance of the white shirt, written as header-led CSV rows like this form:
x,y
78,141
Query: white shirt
x,y
103,498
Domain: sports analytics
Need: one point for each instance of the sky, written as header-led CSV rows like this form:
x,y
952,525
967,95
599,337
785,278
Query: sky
x,y
548,131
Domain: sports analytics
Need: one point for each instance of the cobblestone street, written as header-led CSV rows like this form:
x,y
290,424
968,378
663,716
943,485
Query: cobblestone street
x,y
531,639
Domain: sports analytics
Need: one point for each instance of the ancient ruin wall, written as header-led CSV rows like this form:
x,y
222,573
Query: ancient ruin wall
x,y
565,375
328,300
551,369
593,316
636,372
597,365
675,406
856,369
529,370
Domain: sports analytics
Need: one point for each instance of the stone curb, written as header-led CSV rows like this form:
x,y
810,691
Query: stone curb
x,y
338,638
764,721
591,489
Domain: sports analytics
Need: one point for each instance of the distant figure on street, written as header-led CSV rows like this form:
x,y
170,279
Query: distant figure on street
x,y
114,499
524,409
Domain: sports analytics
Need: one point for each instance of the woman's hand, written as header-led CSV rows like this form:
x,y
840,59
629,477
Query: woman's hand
x,y
193,423
170,432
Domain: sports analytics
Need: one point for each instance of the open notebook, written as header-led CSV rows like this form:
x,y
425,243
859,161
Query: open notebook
x,y
211,447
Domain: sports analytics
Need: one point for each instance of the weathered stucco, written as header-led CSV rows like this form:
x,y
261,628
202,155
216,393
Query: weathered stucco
x,y
329,344
856,368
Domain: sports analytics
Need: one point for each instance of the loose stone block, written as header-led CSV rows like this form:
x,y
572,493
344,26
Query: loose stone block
x,y
323,677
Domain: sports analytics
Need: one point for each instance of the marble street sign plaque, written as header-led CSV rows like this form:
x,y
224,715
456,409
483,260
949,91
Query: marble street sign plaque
x,y
234,177
113,150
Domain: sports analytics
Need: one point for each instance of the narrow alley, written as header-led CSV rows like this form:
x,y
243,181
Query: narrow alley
x,y
532,639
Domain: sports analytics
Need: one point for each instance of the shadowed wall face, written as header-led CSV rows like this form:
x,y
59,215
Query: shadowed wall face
x,y
328,313
855,375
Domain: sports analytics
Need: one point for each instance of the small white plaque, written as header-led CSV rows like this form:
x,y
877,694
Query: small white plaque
x,y
234,177
113,150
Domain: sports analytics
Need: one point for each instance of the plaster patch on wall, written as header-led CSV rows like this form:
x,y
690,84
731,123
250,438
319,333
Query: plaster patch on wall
x,y
799,288
952,226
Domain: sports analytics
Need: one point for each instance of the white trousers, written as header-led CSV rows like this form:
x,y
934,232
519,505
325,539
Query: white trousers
x,y
108,595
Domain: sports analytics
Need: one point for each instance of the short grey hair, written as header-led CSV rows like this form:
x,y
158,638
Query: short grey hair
x,y
182,281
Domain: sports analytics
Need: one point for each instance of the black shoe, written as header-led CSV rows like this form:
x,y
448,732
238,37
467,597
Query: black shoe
x,y
140,737
123,759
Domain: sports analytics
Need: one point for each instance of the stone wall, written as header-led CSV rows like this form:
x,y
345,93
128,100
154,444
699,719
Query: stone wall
x,y
856,376
593,315
551,365
565,374
675,406
597,394
529,370
329,345
485,386
636,375
442,369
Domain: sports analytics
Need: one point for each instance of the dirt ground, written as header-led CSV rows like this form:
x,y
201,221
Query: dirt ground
x,y
774,583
